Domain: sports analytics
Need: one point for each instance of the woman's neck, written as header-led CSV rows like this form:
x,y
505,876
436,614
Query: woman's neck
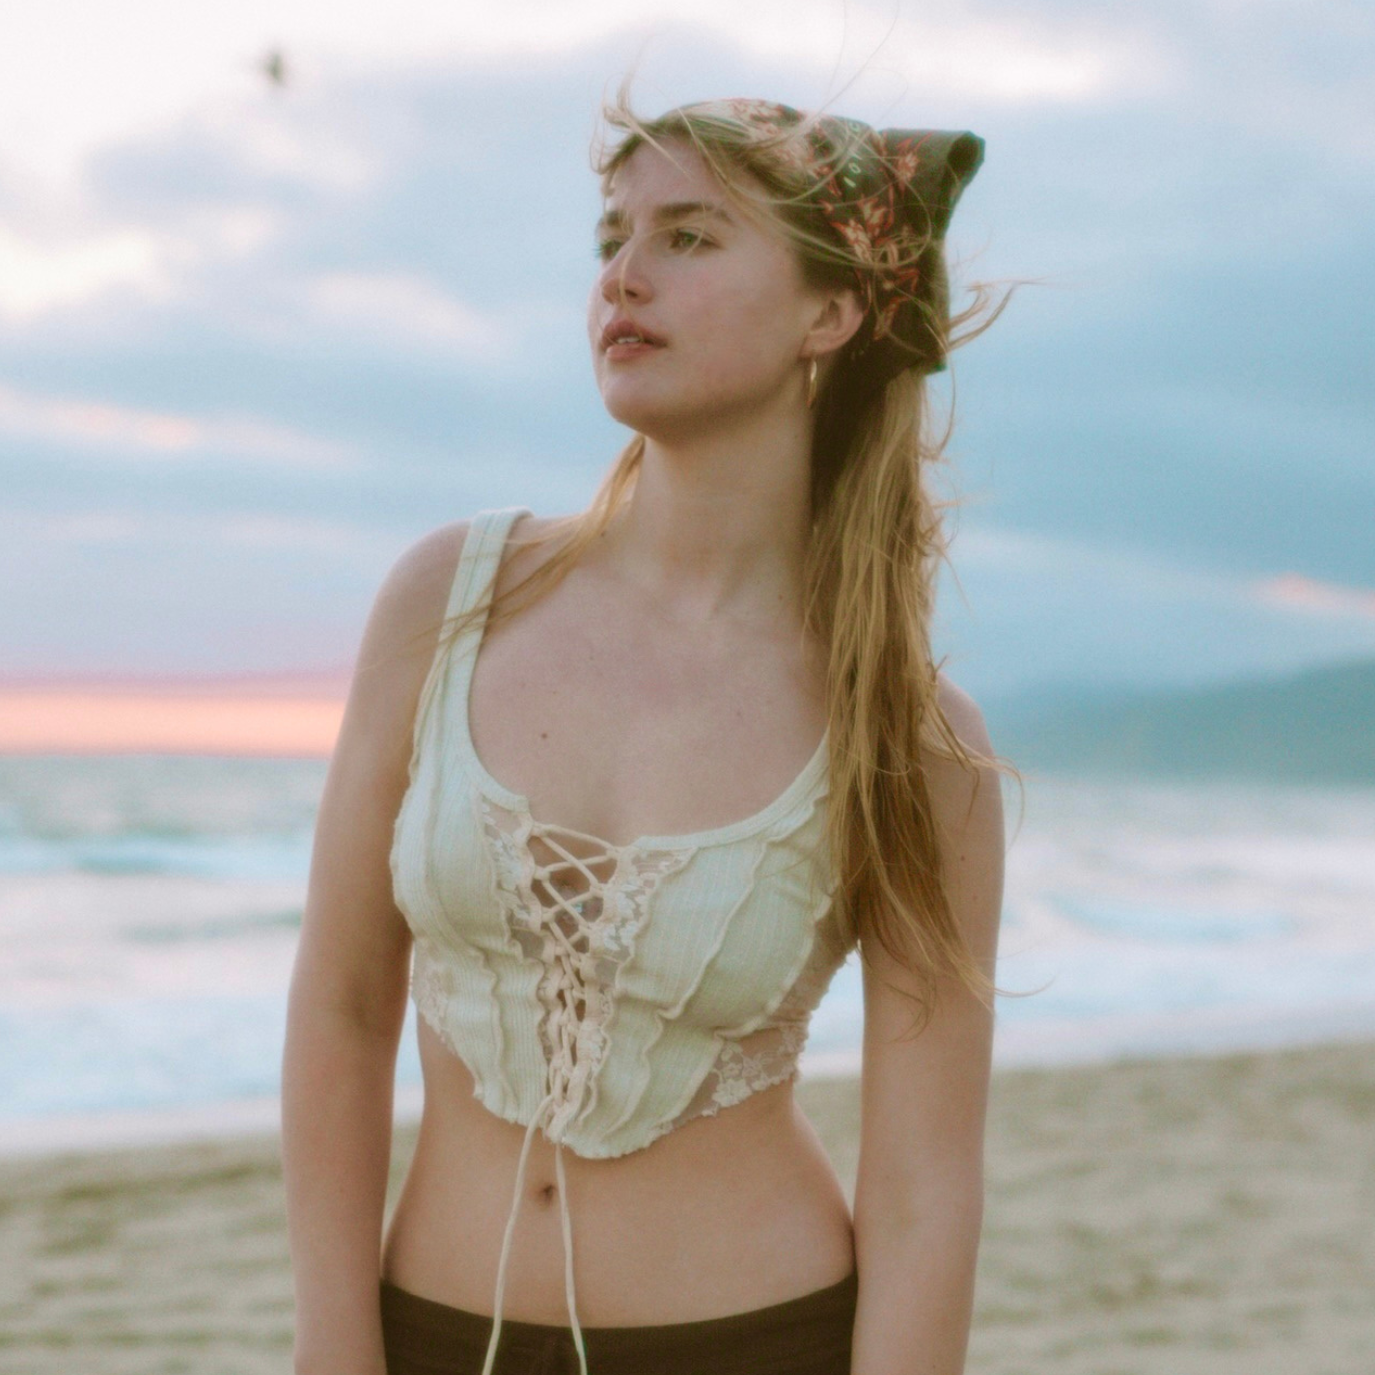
x,y
718,528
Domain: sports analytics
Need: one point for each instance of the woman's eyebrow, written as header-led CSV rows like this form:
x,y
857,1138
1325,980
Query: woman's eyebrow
x,y
666,214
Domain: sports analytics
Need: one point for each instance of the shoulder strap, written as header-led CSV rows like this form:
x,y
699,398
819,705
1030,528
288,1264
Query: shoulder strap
x,y
481,557
452,665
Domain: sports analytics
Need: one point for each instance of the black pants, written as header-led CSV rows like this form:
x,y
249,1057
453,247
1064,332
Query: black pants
x,y
809,1335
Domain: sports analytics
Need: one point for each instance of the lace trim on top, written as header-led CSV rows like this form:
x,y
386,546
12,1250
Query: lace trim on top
x,y
432,988
769,1055
577,914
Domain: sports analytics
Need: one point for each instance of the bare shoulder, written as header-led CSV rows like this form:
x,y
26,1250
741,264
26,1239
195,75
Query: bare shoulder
x,y
413,597
967,806
408,613
955,787
397,648
965,717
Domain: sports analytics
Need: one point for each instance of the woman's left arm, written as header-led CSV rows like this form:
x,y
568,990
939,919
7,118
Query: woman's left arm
x,y
919,1193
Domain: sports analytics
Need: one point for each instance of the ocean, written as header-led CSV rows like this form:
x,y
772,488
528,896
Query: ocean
x,y
150,906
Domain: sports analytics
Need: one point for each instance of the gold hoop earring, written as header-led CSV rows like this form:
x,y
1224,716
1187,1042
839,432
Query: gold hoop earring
x,y
811,382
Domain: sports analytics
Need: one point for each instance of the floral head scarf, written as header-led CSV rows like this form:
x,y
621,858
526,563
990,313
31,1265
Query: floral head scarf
x,y
887,195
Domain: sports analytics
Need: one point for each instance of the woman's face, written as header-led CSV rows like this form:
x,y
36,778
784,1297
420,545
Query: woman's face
x,y
717,297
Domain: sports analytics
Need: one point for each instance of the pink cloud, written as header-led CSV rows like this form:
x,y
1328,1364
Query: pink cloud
x,y
74,419
1299,593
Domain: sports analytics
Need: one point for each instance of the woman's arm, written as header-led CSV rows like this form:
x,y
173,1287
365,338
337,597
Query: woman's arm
x,y
919,1193
349,985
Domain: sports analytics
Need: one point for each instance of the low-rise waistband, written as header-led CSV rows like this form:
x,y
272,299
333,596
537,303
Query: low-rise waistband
x,y
822,1307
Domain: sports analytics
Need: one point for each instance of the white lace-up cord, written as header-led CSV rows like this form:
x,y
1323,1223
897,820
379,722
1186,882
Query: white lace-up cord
x,y
568,1259
567,1244
506,1244
566,966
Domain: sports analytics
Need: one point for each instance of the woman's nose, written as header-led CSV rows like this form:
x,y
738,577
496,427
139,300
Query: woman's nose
x,y
623,278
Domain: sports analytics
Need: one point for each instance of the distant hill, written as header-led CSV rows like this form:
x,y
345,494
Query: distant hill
x,y
1314,726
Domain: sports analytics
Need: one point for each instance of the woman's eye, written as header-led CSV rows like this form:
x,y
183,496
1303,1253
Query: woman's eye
x,y
606,249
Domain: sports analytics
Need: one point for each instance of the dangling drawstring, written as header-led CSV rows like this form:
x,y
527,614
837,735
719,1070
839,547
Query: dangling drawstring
x,y
510,1231
568,1258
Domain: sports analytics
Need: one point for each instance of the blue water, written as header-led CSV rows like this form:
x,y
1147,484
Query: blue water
x,y
150,907
226,858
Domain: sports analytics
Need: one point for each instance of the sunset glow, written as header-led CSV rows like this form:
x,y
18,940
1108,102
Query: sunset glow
x,y
162,722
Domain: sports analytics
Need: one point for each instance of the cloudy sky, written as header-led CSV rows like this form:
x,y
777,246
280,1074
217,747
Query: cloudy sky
x,y
255,339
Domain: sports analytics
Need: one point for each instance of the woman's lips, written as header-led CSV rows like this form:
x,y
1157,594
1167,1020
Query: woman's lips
x,y
624,338
623,353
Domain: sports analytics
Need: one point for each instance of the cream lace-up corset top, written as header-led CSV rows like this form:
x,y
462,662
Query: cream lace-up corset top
x,y
604,994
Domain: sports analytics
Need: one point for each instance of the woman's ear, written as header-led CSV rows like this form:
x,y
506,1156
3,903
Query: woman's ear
x,y
835,324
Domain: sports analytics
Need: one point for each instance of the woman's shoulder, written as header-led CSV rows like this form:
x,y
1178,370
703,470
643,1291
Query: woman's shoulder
x,y
956,785
415,592
963,714
416,588
965,797
394,654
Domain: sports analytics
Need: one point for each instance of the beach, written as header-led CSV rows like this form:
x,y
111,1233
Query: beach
x,y
1195,1214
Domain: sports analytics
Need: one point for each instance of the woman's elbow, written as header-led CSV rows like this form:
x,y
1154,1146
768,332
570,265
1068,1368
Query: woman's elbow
x,y
954,1200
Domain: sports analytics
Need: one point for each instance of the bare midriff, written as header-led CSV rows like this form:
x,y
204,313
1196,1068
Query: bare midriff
x,y
722,1215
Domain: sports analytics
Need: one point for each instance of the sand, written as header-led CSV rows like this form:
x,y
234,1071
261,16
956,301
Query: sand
x,y
1210,1216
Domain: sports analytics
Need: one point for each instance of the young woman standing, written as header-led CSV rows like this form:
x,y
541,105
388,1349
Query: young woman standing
x,y
628,786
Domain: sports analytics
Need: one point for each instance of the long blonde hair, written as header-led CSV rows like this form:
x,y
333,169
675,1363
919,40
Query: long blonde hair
x,y
877,541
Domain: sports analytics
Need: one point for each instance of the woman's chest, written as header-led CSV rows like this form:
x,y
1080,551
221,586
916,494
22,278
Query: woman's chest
x,y
624,730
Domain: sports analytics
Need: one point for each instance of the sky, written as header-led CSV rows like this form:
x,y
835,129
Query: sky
x,y
256,339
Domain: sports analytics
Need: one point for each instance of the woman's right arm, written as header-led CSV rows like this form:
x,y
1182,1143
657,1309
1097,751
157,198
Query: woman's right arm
x,y
350,981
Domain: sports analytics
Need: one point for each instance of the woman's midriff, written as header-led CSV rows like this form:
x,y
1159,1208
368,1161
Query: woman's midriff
x,y
722,1215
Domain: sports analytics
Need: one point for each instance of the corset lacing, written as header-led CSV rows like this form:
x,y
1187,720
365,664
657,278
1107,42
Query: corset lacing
x,y
569,958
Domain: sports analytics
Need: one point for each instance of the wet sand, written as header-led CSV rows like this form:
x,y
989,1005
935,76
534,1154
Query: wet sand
x,y
1209,1216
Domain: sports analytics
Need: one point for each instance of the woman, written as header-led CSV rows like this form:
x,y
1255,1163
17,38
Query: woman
x,y
627,867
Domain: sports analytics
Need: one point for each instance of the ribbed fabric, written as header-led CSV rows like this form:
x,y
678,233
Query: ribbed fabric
x,y
601,994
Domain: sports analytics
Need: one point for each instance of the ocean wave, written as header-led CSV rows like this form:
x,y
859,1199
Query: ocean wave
x,y
1156,921
233,858
143,1054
